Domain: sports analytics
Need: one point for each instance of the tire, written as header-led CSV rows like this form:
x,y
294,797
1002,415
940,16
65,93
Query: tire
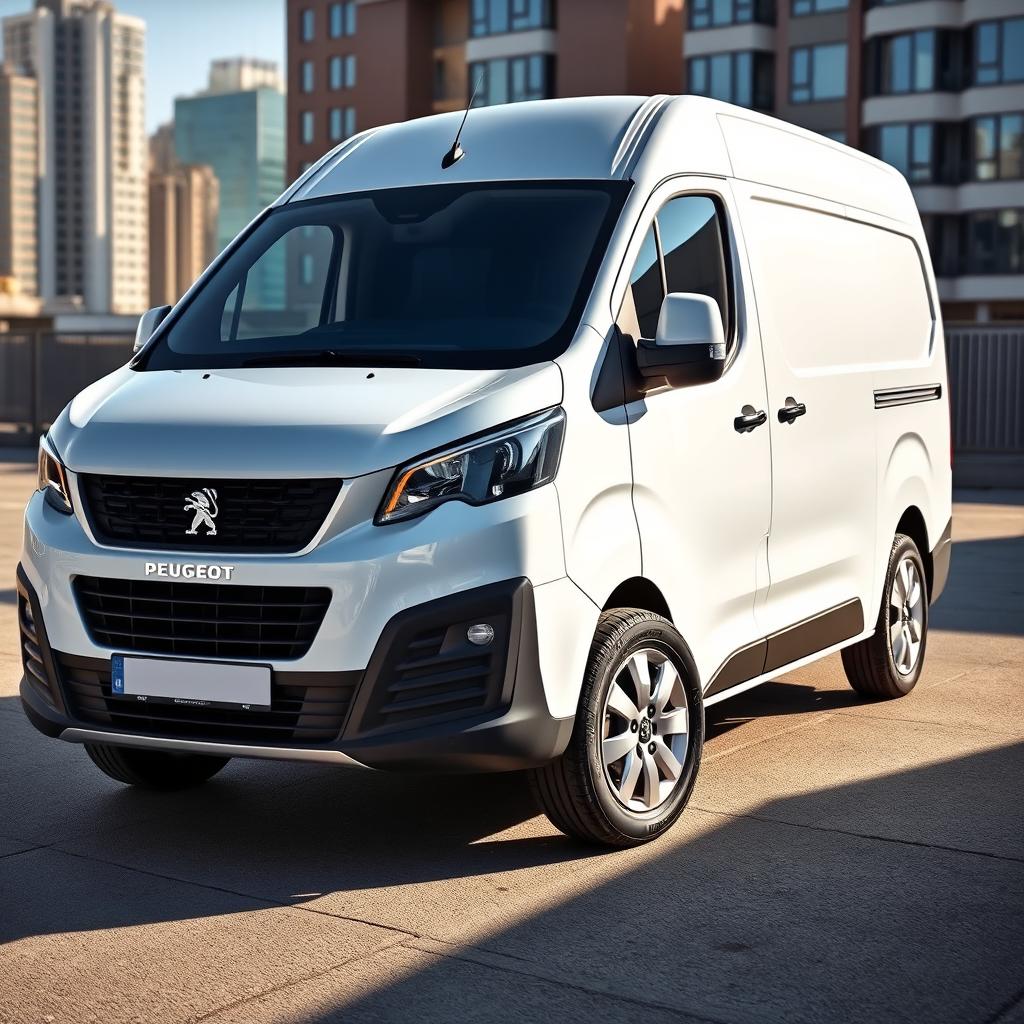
x,y
589,795
154,769
882,667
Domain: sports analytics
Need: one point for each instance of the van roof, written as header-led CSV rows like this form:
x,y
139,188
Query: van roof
x,y
645,139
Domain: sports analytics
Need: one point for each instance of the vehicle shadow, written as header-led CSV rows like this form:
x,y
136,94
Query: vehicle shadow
x,y
899,897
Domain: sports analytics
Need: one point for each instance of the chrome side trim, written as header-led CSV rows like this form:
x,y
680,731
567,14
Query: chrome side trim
x,y
202,747
886,398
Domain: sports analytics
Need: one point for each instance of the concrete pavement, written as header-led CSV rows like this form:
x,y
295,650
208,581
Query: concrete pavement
x,y
840,860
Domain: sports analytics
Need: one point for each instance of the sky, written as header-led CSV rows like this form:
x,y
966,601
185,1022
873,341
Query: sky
x,y
183,36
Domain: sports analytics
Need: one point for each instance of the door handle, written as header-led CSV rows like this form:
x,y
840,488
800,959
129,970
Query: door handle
x,y
791,410
749,419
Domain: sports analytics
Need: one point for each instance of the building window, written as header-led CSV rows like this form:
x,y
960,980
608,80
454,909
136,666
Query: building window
x,y
494,17
744,78
801,7
341,123
817,73
511,80
307,126
715,13
997,147
910,148
908,63
342,19
999,52
307,75
995,242
308,25
341,72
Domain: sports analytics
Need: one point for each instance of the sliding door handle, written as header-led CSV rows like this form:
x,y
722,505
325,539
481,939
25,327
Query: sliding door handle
x,y
749,419
791,410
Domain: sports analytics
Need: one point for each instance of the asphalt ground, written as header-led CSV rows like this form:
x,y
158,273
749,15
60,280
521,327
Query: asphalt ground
x,y
841,860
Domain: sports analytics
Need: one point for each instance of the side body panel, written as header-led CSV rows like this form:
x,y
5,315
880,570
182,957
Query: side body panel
x,y
701,489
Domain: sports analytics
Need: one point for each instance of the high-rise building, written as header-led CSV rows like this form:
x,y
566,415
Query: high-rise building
x,y
19,207
88,63
936,87
183,204
236,127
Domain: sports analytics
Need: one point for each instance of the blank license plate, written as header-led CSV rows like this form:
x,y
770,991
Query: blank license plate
x,y
200,683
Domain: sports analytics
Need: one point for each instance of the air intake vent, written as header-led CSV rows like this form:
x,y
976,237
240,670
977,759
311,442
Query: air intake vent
x,y
306,708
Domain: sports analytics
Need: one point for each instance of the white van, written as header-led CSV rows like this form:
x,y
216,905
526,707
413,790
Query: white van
x,y
513,453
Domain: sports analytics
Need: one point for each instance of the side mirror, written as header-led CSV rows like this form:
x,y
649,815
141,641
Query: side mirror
x,y
690,343
148,323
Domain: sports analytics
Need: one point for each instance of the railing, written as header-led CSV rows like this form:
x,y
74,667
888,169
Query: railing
x,y
40,372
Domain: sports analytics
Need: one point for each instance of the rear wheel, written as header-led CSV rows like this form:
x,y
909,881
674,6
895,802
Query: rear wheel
x,y
888,664
633,757
154,769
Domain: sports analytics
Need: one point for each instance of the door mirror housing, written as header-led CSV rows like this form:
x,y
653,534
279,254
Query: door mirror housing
x,y
690,344
148,323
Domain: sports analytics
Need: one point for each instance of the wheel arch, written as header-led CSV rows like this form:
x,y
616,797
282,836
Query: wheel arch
x,y
912,524
639,592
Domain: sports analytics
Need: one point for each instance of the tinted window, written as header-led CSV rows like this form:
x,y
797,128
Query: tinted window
x,y
645,284
692,259
694,250
474,275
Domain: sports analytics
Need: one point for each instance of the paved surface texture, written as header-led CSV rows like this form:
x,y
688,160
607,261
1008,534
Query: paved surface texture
x,y
840,861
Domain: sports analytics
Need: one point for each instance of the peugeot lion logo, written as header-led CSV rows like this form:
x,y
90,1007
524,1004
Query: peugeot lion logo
x,y
204,504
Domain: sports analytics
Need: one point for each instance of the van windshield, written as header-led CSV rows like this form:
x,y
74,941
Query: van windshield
x,y
484,275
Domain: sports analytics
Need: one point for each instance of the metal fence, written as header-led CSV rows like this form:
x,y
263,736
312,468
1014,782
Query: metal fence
x,y
986,383
41,371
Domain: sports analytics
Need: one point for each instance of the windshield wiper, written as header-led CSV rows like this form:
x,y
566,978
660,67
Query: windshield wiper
x,y
335,357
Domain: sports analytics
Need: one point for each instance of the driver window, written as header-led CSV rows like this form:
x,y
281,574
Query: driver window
x,y
683,251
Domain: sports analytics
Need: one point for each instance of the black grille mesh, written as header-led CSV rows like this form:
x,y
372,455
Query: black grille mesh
x,y
205,620
252,515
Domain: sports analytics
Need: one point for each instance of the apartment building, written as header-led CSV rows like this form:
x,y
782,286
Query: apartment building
x,y
19,208
87,61
935,87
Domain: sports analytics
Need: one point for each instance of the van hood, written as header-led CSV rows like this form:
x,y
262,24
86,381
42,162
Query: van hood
x,y
288,422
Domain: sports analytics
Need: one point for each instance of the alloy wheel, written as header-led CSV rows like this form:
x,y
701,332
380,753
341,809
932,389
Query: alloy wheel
x,y
644,730
906,616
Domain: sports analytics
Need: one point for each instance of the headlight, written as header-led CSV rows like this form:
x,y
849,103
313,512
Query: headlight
x,y
52,478
508,462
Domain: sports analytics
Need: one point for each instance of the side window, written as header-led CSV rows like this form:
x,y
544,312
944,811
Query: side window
x,y
645,283
683,252
694,250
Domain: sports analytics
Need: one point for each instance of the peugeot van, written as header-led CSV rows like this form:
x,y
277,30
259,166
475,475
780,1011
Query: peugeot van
x,y
510,450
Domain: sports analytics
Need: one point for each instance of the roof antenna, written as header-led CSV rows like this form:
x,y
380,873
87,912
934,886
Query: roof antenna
x,y
456,153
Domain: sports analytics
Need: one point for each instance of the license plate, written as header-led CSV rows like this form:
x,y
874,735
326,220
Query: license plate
x,y
197,683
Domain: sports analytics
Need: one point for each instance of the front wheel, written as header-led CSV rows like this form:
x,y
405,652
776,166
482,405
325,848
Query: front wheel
x,y
154,769
888,663
636,744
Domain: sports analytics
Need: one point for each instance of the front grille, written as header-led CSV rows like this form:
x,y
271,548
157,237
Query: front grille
x,y
251,515
206,620
306,708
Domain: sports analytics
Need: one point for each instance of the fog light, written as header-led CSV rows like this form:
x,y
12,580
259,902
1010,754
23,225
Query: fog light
x,y
481,634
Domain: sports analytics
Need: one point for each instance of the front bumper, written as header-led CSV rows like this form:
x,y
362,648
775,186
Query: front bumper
x,y
401,712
